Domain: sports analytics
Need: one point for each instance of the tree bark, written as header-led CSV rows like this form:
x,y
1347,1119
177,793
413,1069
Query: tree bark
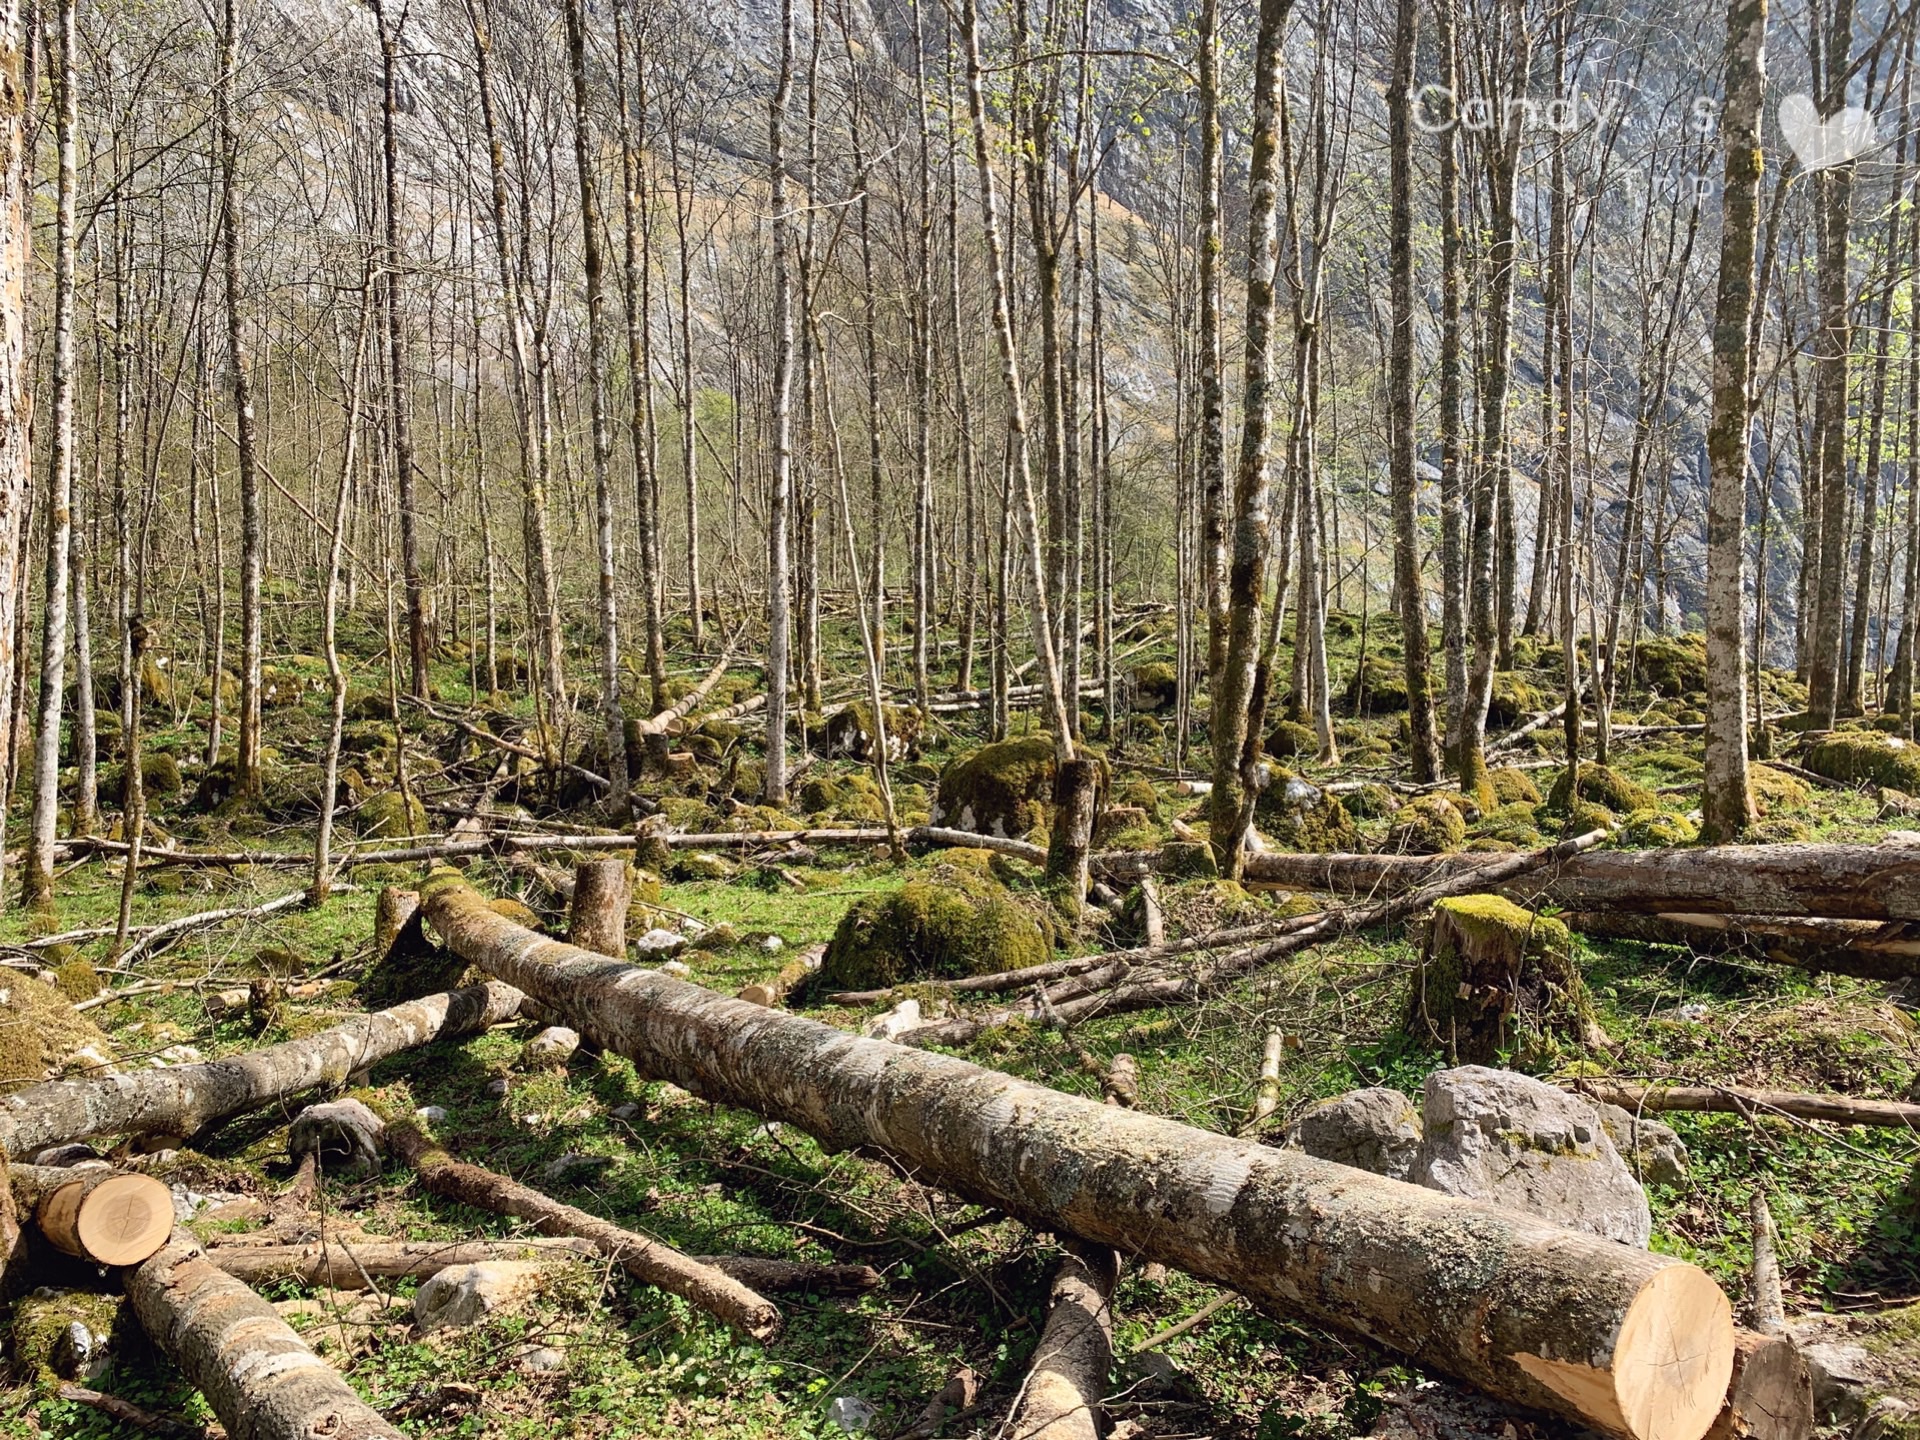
x,y
182,1100
261,1379
597,916
1771,1396
1064,1388
1522,1308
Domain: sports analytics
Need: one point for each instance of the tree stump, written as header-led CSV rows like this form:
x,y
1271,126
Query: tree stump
x,y
396,921
1494,976
597,919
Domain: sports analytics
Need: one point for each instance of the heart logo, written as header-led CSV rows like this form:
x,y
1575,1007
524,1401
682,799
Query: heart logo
x,y
1833,141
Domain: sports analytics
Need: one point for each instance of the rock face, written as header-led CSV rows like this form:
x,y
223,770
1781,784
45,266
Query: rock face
x,y
1375,1129
1648,1147
1512,1141
463,1295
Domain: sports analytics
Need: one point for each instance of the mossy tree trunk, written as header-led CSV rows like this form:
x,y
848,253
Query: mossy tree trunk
x,y
1493,976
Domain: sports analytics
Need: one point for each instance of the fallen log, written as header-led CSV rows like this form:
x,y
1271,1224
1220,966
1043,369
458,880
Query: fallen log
x,y
1631,1342
1731,1100
646,1260
259,1377
111,1217
1060,1399
183,1099
1771,1395
351,1265
1861,882
1864,949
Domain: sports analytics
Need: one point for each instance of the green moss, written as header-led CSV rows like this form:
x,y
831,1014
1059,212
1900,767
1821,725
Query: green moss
x,y
1781,830
1427,825
392,816
1866,755
1512,700
1600,785
1514,824
41,1353
1370,801
1187,859
1672,664
1296,815
1656,828
1775,791
39,1030
1000,789
953,920
1377,687
1583,817
1672,762
1513,787
1137,790
1155,686
1495,978
77,980
1287,740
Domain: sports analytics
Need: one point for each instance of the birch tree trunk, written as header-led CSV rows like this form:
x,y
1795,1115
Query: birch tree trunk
x,y
779,624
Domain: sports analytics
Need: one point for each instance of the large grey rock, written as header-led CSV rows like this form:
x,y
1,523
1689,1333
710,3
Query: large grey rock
x,y
464,1295
347,1137
1510,1141
1375,1129
1650,1148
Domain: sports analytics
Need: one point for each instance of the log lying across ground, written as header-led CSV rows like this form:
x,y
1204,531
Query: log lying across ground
x,y
646,1260
1860,882
352,1264
1067,1381
1732,1100
259,1376
185,1098
1630,1342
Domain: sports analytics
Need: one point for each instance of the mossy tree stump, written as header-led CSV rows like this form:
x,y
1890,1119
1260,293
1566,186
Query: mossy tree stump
x,y
1494,976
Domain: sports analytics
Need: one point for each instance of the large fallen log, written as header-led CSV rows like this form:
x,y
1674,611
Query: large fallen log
x,y
183,1099
1860,882
1864,949
354,1264
1630,1342
1733,1100
261,1379
646,1260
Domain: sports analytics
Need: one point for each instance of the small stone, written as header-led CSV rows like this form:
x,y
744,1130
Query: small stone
x,y
851,1414
659,944
1693,1013
542,1360
551,1048
679,969
626,1113
464,1295
61,1156
896,1022
498,1088
574,1167
1151,1375
771,944
432,1114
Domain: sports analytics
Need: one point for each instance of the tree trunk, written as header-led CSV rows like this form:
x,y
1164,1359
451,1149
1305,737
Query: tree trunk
x,y
780,501
259,1377
185,1099
1522,1308
597,916
1727,1100
1062,1394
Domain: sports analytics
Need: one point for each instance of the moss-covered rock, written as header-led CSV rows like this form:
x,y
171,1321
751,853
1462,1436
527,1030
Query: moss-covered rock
x,y
1297,815
159,778
1672,664
1495,979
391,816
1781,830
61,1335
953,920
1289,739
1512,700
1001,789
77,980
1512,786
1156,686
1515,824
1187,860
1599,785
855,797
1371,801
1673,762
40,1031
1776,792
1427,825
1137,790
1649,829
1584,817
1377,687
1866,755
850,732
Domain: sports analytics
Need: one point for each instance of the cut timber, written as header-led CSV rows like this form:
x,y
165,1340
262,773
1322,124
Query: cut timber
x,y
183,1099
1771,1396
795,973
1863,882
1727,1099
646,1260
113,1218
597,914
353,1264
1061,1397
1628,1341
259,1377
1864,949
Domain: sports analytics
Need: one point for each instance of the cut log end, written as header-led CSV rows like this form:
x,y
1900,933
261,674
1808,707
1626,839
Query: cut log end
x,y
114,1219
1771,1397
1671,1366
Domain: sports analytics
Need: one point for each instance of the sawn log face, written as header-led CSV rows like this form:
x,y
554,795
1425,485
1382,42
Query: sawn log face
x,y
1464,1288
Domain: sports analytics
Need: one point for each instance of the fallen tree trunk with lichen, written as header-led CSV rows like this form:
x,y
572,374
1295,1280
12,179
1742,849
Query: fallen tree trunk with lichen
x,y
1735,1100
257,1374
183,1099
1627,1341
1859,882
1823,945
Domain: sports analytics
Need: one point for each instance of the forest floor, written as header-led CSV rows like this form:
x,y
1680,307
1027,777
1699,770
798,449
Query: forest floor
x,y
962,1287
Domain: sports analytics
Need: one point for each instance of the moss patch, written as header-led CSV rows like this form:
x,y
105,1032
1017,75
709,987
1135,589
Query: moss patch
x,y
1599,785
951,921
1511,700
1001,789
1288,739
1867,755
1296,815
392,816
1377,687
1155,687
1652,829
1427,825
39,1030
1513,787
1370,801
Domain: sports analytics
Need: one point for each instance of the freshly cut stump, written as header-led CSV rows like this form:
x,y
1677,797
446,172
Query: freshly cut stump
x,y
1771,1397
1492,974
1631,1342
261,1379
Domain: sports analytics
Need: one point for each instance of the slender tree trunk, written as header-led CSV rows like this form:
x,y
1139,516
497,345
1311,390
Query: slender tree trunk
x,y
1453,545
779,624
